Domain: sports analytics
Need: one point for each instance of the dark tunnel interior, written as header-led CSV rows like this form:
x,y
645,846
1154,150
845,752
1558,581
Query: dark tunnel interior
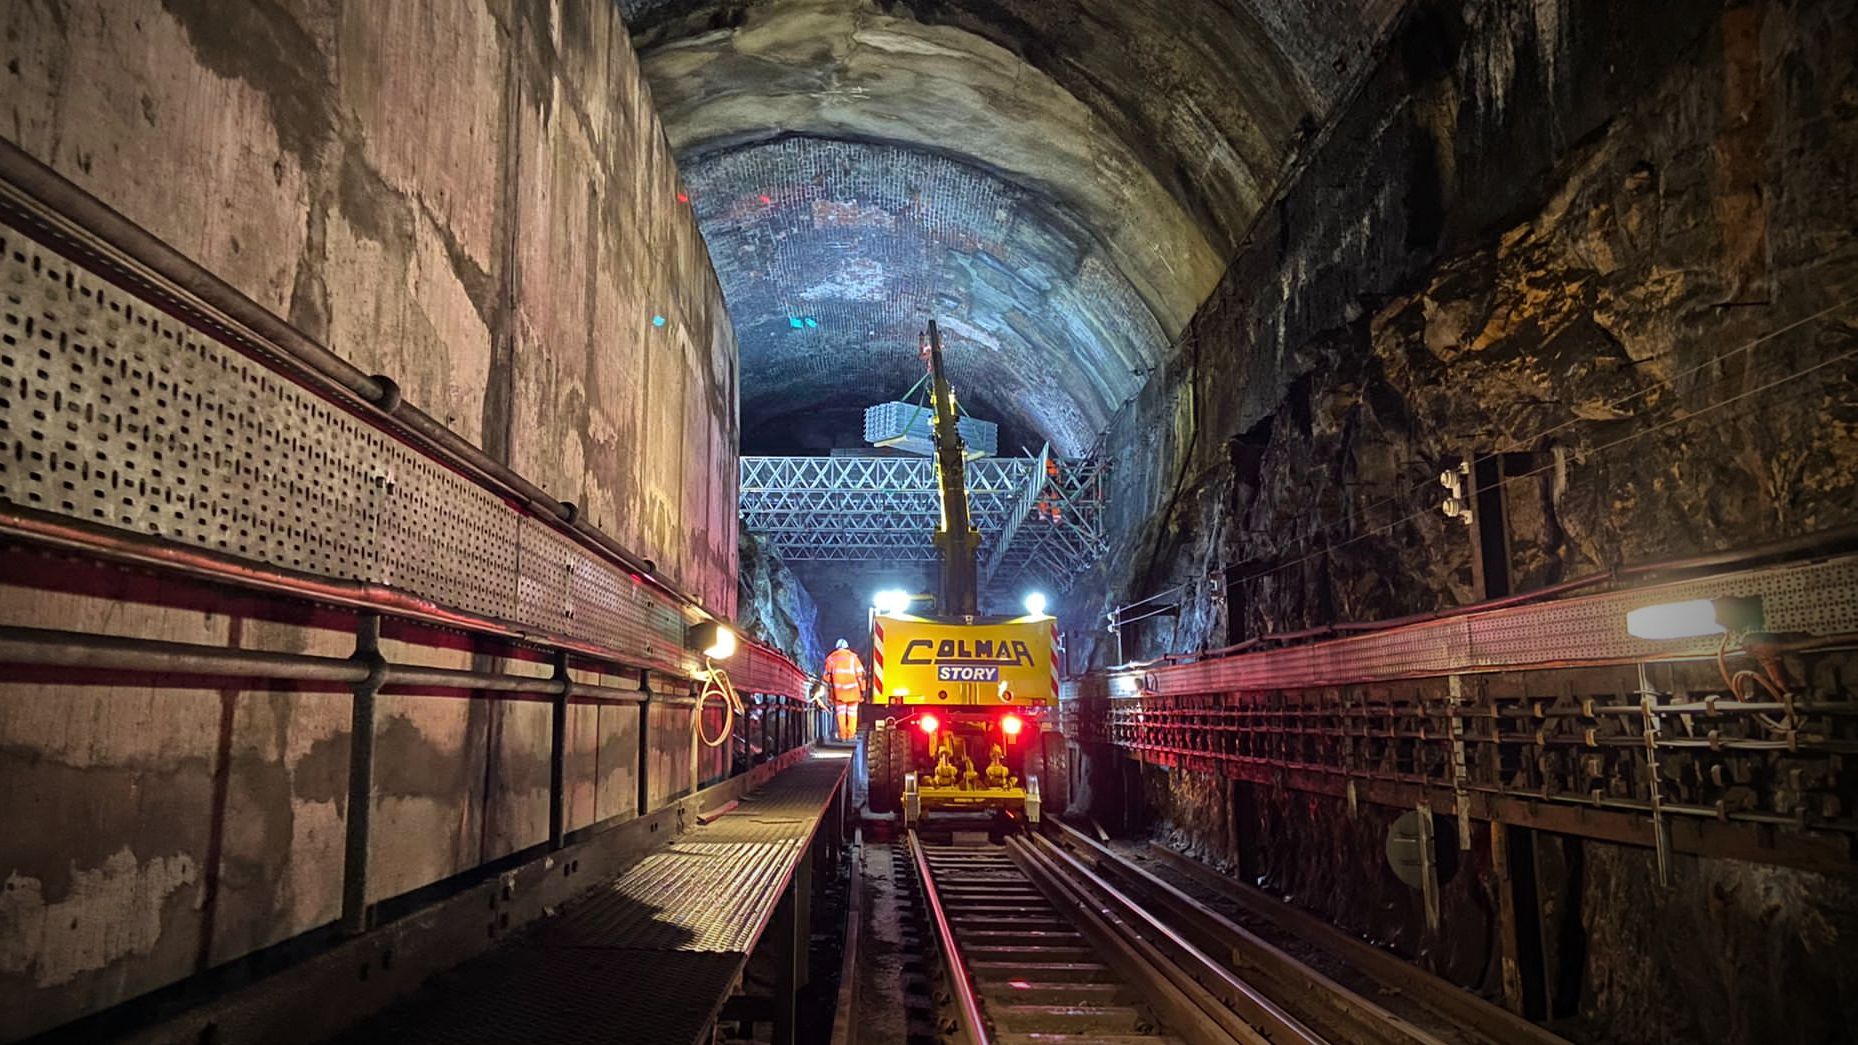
x,y
434,475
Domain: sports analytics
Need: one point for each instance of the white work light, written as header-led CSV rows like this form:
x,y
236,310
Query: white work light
x,y
715,639
1695,618
891,600
1035,603
1674,620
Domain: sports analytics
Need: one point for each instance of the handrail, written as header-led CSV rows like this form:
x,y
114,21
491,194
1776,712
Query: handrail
x,y
967,1006
1023,508
44,647
129,548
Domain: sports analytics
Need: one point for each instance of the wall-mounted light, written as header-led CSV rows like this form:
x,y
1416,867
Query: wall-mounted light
x,y
714,638
1695,618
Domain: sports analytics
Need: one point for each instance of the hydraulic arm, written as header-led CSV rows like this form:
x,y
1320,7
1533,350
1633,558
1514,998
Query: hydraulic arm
x,y
957,539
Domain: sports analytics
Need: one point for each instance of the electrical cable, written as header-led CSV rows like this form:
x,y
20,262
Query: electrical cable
x,y
1522,443
1734,682
1506,480
716,684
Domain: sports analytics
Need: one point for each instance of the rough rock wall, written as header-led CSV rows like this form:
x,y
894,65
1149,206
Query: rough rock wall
x,y
1601,238
1615,243
843,592
1756,954
477,200
773,606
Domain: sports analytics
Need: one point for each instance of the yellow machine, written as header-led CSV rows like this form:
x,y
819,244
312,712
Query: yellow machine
x,y
970,700
962,698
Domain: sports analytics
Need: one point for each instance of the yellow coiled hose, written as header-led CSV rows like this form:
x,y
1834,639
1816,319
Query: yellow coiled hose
x,y
716,684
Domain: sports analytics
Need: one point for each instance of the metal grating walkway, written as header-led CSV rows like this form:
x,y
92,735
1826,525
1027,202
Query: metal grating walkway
x,y
647,958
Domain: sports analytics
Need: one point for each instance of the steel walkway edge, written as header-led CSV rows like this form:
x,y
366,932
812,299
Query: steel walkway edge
x,y
648,957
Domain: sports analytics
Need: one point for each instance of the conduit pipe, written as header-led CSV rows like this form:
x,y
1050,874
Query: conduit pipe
x,y
72,649
135,549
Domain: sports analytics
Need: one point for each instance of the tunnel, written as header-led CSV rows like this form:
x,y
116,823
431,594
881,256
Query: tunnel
x,y
845,522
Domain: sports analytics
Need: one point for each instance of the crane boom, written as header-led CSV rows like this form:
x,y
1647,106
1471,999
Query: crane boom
x,y
958,688
957,539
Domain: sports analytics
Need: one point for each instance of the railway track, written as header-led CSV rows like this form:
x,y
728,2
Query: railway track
x,y
1055,939
1037,950
1452,1013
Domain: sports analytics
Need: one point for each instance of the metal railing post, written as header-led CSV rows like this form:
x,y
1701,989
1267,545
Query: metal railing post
x,y
558,756
696,746
643,769
361,775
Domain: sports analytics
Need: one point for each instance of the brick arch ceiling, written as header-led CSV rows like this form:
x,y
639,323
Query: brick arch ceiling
x,y
1059,182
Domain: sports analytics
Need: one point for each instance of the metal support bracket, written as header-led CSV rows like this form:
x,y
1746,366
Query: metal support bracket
x,y
1429,866
558,755
642,771
1661,834
1460,782
360,811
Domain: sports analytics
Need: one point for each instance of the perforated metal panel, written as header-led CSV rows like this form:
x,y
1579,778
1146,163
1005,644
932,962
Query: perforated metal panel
x,y
476,568
115,413
769,676
562,588
1817,598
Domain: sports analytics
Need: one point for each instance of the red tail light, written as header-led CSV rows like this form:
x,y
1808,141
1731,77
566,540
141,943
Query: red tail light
x,y
1011,725
929,723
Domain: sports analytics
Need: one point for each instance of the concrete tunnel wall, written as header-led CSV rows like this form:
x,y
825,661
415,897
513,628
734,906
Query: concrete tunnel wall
x,y
477,200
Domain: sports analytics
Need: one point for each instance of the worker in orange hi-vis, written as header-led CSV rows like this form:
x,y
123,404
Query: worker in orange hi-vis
x,y
844,672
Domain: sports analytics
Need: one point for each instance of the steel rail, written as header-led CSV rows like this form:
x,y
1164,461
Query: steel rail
x,y
1454,1004
1224,1001
961,984
1188,1010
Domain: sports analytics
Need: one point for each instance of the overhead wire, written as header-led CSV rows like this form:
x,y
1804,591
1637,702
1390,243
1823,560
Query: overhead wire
x,y
1521,443
1850,354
